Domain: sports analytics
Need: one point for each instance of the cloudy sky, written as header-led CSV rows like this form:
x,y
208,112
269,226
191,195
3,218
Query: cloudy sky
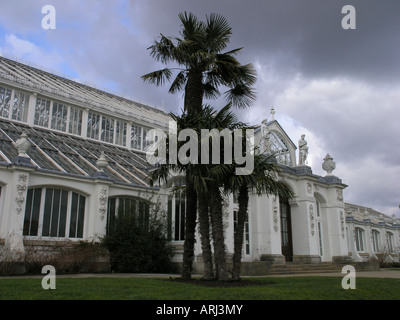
x,y
341,88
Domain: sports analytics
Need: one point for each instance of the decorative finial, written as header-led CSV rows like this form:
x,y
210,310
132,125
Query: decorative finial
x,y
272,113
366,216
328,165
102,162
23,145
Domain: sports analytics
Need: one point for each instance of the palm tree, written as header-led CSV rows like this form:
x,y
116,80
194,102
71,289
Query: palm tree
x,y
213,173
202,67
163,173
263,180
206,187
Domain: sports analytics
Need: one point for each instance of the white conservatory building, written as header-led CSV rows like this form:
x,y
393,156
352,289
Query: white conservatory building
x,y
70,154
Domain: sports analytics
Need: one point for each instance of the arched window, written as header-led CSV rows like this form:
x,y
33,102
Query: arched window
x,y
177,211
51,212
286,229
390,239
359,238
135,206
375,240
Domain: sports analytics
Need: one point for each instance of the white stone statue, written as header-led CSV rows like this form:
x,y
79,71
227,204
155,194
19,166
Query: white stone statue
x,y
303,150
265,141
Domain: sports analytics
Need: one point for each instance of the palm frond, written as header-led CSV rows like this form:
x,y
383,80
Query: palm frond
x,y
241,95
163,50
158,77
192,27
210,91
234,51
217,32
179,83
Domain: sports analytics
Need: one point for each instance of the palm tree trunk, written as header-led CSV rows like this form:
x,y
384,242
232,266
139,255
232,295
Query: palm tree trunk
x,y
190,228
204,221
193,101
239,231
194,92
218,232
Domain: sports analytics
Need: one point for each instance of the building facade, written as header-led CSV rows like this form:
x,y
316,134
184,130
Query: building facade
x,y
71,154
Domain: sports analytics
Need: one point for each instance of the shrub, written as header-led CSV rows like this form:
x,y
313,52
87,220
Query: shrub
x,y
67,257
137,243
9,263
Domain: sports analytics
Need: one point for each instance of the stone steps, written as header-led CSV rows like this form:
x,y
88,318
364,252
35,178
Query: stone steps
x,y
291,268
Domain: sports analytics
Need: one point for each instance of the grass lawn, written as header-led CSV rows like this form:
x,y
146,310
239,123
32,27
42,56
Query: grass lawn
x,y
290,288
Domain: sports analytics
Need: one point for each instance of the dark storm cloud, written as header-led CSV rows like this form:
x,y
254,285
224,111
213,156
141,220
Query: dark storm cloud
x,y
341,86
307,31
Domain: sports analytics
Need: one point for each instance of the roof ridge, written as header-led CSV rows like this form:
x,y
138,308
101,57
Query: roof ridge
x,y
83,84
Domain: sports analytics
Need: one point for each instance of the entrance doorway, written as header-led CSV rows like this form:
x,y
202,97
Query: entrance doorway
x,y
286,230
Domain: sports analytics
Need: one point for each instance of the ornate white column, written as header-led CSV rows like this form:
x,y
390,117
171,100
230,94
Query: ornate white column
x,y
99,200
16,193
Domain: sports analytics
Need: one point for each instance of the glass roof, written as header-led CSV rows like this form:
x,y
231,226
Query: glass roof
x,y
280,149
58,152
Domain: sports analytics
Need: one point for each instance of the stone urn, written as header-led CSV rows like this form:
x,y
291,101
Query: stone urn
x,y
22,145
328,165
102,162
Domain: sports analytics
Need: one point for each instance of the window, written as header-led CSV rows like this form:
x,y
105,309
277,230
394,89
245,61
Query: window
x,y
53,115
246,237
20,106
51,212
120,132
235,197
375,240
55,213
146,140
5,97
137,207
13,104
32,209
318,209
136,137
42,112
390,239
279,148
75,121
77,215
177,212
285,224
359,239
180,213
107,130
93,128
59,117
